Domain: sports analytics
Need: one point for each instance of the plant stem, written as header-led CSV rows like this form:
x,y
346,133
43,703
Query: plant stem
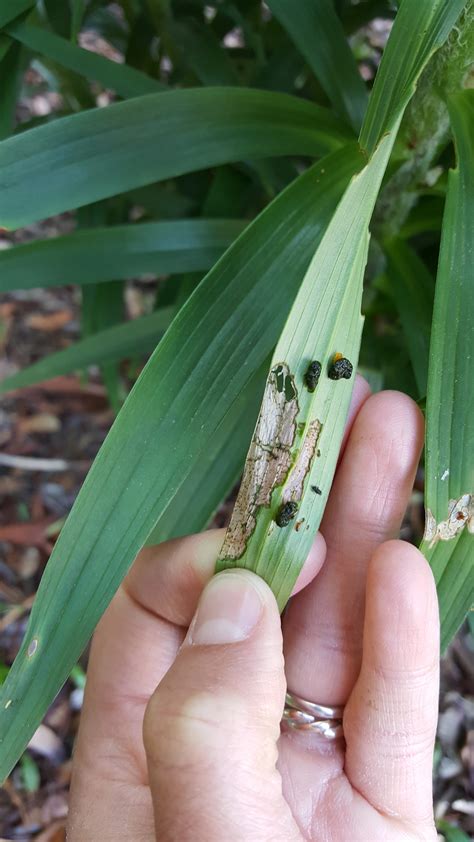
x,y
425,129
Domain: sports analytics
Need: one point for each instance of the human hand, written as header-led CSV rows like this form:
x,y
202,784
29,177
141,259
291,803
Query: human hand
x,y
211,765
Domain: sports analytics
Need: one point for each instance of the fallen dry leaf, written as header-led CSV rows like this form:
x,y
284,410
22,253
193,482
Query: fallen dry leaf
x,y
27,534
49,321
41,423
55,833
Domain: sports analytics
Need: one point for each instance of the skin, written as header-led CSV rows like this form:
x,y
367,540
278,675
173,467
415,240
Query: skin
x,y
180,733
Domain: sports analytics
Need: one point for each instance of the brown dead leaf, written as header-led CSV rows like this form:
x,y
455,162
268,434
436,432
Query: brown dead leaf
x,y
65,385
15,612
41,423
27,534
55,833
7,310
49,321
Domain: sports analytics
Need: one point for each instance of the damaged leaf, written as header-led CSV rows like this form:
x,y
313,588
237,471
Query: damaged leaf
x,y
460,515
448,541
268,460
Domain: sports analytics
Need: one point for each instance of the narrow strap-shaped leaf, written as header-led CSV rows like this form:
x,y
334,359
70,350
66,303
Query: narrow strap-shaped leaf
x,y
297,439
77,14
420,27
118,252
200,49
59,16
110,345
317,31
11,72
449,493
299,431
11,9
412,287
208,484
216,344
89,156
126,81
5,44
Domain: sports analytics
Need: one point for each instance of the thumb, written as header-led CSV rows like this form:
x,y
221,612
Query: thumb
x,y
212,725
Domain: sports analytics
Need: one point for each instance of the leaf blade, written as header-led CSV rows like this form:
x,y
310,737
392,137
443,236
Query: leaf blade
x,y
412,288
213,350
419,29
450,398
117,252
317,32
11,9
105,346
126,81
80,159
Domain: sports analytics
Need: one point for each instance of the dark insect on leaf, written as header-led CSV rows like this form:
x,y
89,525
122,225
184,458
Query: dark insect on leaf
x,y
312,375
286,513
316,489
340,368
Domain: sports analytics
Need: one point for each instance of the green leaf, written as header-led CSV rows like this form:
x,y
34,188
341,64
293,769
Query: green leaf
x,y
78,11
11,67
89,156
451,833
30,773
126,81
200,49
115,343
78,677
11,9
449,539
297,439
218,341
425,217
317,32
419,29
59,16
117,252
5,44
103,308
412,287
208,483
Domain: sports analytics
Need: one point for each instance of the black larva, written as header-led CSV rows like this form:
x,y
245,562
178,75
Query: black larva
x,y
286,513
312,375
340,368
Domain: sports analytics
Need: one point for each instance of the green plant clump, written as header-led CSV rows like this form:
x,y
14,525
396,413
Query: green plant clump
x,y
283,181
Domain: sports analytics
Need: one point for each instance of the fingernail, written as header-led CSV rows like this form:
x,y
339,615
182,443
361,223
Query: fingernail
x,y
229,609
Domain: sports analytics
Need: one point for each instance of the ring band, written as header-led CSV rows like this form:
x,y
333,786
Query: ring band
x,y
317,711
303,715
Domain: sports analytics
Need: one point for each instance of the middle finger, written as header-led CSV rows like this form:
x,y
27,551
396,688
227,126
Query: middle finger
x,y
323,624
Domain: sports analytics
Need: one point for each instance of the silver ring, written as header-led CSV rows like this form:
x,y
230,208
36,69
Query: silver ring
x,y
303,715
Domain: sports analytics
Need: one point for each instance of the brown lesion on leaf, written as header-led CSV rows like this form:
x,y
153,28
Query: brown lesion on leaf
x,y
269,458
295,486
460,516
